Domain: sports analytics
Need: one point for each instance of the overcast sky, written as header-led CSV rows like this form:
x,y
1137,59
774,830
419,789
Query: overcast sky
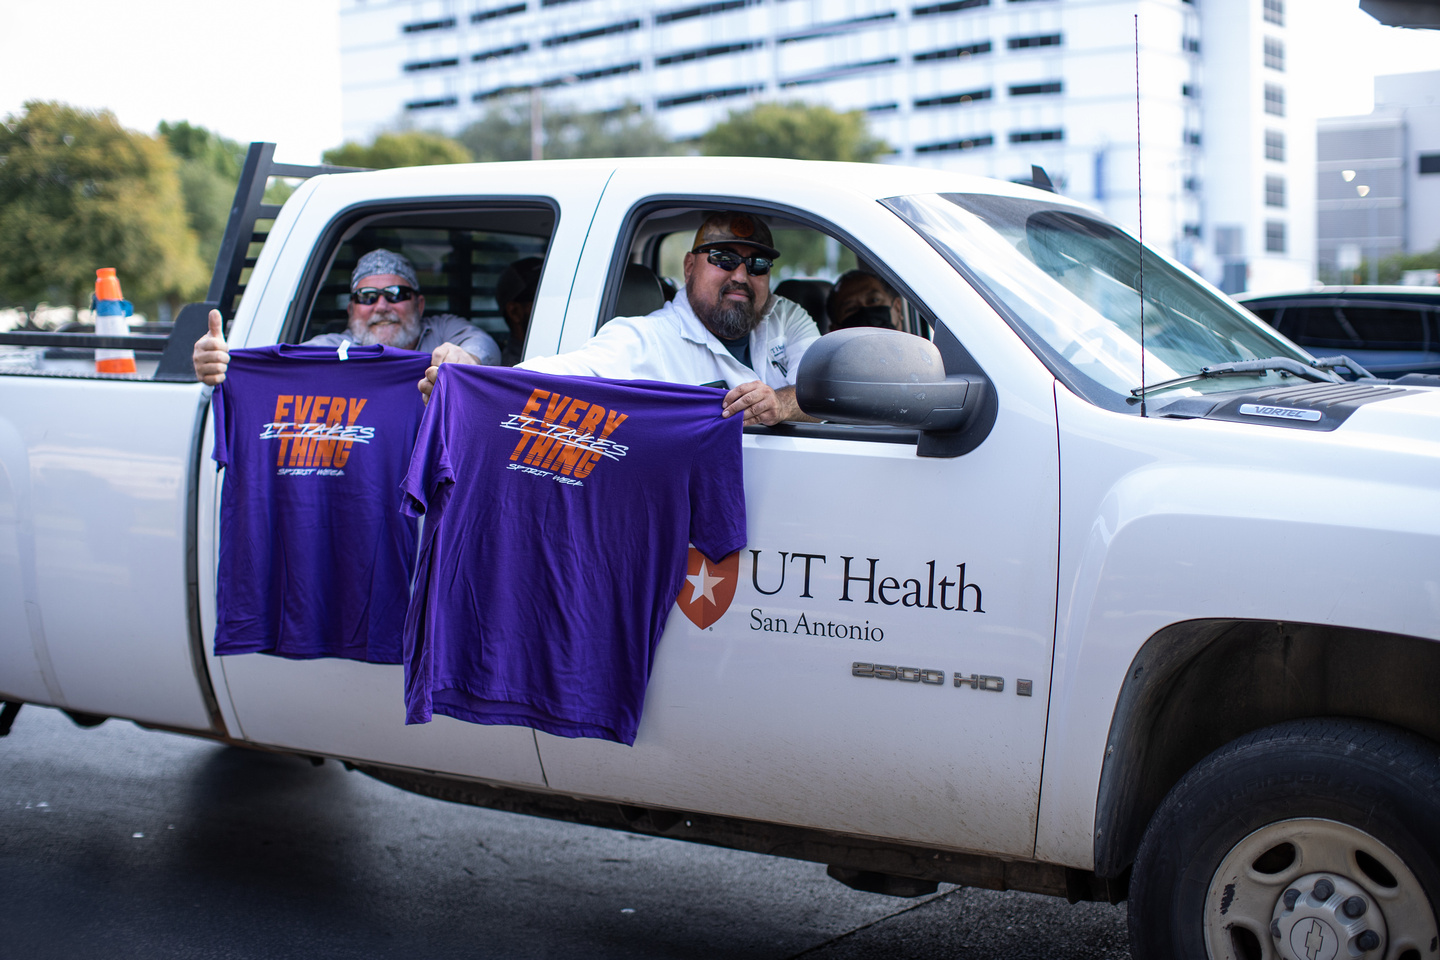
x,y
269,69
250,69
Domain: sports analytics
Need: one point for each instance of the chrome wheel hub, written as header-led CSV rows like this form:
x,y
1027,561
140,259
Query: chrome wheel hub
x,y
1311,889
1321,916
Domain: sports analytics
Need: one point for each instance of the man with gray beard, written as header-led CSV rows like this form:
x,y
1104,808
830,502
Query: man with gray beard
x,y
725,328
386,306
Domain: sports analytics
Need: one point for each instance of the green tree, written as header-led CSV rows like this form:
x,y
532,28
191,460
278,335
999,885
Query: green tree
x,y
503,133
197,144
797,131
1393,267
78,191
209,171
1389,270
408,148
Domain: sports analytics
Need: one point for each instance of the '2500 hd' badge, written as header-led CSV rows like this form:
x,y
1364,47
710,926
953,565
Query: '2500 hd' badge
x,y
709,587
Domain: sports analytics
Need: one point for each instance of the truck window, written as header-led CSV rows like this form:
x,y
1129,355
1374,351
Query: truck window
x,y
649,270
460,258
1387,326
810,264
1318,326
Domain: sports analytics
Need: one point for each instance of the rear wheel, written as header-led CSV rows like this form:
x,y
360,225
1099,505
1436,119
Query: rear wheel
x,y
1309,840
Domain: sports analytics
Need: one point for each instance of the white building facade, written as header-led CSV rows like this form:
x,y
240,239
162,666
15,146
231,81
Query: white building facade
x,y
980,86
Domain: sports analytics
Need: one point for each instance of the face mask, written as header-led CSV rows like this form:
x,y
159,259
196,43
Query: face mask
x,y
877,316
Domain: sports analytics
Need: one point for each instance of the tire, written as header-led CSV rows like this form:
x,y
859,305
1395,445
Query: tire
x,y
1232,863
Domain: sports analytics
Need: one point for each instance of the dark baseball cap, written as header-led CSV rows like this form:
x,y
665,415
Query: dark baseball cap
x,y
726,227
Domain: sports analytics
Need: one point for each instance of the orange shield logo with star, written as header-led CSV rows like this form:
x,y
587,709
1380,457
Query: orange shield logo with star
x,y
709,587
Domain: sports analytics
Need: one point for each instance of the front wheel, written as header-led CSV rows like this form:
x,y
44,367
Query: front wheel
x,y
1309,840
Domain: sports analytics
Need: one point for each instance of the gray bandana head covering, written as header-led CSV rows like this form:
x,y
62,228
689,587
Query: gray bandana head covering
x,y
379,261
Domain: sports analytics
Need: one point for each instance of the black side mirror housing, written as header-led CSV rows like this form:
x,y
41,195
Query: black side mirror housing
x,y
872,375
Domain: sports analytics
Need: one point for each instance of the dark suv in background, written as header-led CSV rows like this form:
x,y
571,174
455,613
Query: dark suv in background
x,y
1391,331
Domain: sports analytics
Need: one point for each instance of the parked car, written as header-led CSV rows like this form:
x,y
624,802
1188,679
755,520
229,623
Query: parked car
x,y
1391,331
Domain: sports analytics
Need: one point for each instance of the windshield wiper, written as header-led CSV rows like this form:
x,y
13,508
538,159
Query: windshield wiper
x,y
1330,363
1238,368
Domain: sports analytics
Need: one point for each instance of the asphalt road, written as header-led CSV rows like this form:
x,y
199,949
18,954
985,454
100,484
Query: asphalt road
x,y
117,842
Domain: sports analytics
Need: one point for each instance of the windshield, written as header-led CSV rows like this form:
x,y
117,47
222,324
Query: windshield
x,y
1069,282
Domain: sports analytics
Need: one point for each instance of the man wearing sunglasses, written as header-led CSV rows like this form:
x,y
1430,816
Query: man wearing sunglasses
x,y
724,328
386,306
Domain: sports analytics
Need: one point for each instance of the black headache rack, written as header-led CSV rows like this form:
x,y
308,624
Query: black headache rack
x,y
238,251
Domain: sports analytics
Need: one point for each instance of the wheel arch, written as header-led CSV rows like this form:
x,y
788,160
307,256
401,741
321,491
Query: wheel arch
x,y
1199,684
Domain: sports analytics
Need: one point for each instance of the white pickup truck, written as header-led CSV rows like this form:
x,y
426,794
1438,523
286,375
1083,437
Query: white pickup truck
x,y
1075,635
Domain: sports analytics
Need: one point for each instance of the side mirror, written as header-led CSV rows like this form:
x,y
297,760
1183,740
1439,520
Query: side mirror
x,y
877,376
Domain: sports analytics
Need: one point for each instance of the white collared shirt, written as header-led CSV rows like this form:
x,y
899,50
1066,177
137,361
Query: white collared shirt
x,y
673,346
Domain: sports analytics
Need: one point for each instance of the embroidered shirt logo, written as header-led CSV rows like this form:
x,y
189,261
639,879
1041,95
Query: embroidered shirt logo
x,y
779,360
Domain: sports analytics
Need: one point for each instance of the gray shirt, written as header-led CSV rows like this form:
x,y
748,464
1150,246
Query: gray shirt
x,y
435,330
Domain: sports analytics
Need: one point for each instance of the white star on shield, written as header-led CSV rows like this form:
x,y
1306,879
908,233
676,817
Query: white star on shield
x,y
704,584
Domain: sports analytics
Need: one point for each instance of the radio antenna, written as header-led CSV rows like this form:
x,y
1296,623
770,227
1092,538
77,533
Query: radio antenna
x,y
1140,215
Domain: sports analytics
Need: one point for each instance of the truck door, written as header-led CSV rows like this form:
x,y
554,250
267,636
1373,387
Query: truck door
x,y
877,659
95,481
461,233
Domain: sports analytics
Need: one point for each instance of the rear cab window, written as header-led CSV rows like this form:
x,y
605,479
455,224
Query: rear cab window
x,y
461,255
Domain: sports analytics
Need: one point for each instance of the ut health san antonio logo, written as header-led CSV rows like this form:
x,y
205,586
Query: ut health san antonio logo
x,y
709,587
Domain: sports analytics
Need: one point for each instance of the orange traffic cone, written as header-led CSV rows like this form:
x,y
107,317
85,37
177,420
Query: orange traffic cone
x,y
111,311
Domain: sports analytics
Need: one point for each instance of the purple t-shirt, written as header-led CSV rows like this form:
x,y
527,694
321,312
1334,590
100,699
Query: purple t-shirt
x,y
316,556
557,515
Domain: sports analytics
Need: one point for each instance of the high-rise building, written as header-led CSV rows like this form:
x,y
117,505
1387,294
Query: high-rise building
x,y
1258,145
981,86
1378,176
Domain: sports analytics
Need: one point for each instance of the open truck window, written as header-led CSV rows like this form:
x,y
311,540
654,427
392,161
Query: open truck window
x,y
648,270
460,256
811,261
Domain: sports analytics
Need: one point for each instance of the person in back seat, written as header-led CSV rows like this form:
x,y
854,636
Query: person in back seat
x,y
725,328
515,296
386,306
862,299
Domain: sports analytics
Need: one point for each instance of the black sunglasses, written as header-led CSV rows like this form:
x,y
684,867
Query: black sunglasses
x,y
727,261
392,294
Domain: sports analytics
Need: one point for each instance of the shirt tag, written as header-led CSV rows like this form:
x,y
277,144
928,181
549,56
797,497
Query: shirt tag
x,y
343,350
